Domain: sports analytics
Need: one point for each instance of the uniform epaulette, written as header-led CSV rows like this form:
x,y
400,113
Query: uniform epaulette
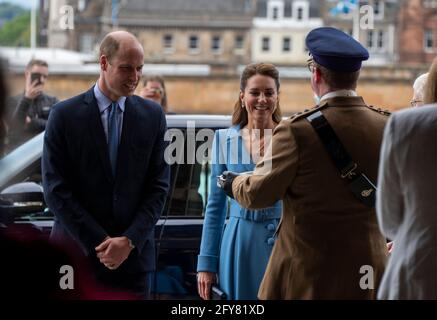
x,y
379,110
305,113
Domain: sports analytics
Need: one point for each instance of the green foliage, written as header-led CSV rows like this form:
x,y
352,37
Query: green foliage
x,y
16,32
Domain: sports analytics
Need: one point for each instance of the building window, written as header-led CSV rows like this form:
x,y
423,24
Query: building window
x,y
265,44
239,42
377,7
286,44
429,43
216,44
380,39
275,13
370,40
300,13
301,10
275,9
167,42
193,44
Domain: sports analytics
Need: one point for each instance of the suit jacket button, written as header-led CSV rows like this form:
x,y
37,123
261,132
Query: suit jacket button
x,y
270,241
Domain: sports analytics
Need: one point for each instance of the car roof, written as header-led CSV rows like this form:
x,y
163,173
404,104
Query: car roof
x,y
200,120
31,151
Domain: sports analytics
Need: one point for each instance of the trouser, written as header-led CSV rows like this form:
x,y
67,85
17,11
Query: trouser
x,y
138,284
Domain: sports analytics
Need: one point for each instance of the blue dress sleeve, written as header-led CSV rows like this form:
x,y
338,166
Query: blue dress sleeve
x,y
215,214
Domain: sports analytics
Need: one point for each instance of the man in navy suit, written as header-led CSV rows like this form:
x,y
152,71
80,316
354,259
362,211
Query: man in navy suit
x,y
104,174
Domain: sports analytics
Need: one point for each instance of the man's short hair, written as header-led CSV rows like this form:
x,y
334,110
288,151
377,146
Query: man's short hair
x,y
109,47
339,80
36,62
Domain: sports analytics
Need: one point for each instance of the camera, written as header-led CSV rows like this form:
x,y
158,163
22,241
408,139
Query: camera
x,y
36,76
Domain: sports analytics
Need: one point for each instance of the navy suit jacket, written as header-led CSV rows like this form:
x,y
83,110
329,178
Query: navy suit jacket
x,y
87,201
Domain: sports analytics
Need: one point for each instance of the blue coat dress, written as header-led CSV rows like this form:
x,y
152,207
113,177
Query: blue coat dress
x,y
239,252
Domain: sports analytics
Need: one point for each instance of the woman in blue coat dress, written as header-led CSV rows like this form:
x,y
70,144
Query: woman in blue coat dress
x,y
236,256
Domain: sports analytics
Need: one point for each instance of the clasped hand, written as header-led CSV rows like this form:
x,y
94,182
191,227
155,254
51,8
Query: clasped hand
x,y
113,251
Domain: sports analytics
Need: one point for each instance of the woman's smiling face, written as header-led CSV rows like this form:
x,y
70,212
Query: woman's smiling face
x,y
260,97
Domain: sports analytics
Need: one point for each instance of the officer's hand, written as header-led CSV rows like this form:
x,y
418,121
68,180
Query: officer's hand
x,y
225,182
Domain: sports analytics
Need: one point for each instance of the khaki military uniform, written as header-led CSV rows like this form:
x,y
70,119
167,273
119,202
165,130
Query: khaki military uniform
x,y
326,236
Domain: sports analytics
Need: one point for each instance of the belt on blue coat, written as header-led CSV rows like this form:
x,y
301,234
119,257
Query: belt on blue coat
x,y
257,215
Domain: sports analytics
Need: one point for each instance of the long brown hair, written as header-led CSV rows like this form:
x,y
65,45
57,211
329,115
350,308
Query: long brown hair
x,y
430,91
239,116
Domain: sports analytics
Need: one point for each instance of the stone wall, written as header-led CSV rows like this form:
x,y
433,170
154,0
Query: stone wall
x,y
219,94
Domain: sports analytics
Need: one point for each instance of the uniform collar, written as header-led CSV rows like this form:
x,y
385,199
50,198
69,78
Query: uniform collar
x,y
338,93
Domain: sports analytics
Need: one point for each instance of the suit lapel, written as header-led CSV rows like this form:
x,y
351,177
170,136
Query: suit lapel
x,y
98,133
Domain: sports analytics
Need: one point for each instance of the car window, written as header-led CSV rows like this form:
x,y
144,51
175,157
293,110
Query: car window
x,y
188,194
189,185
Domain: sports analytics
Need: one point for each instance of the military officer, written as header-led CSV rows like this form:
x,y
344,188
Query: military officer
x,y
328,243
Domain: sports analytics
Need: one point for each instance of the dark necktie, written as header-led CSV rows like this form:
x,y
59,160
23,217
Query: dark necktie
x,y
113,136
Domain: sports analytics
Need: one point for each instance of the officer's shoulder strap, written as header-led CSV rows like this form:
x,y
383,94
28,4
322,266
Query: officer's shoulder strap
x,y
379,110
306,113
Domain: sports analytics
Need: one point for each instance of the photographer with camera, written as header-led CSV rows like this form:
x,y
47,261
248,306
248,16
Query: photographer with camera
x,y
30,110
154,89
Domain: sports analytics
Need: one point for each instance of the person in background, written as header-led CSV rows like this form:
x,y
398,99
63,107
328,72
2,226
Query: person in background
x,y
425,92
406,205
418,90
430,90
154,89
30,110
31,265
237,258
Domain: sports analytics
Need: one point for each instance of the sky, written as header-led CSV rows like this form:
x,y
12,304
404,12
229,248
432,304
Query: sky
x,y
24,3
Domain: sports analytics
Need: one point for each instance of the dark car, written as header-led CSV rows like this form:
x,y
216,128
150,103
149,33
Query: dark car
x,y
179,230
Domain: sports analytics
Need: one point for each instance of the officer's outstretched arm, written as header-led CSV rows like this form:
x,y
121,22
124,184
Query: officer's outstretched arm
x,y
272,175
